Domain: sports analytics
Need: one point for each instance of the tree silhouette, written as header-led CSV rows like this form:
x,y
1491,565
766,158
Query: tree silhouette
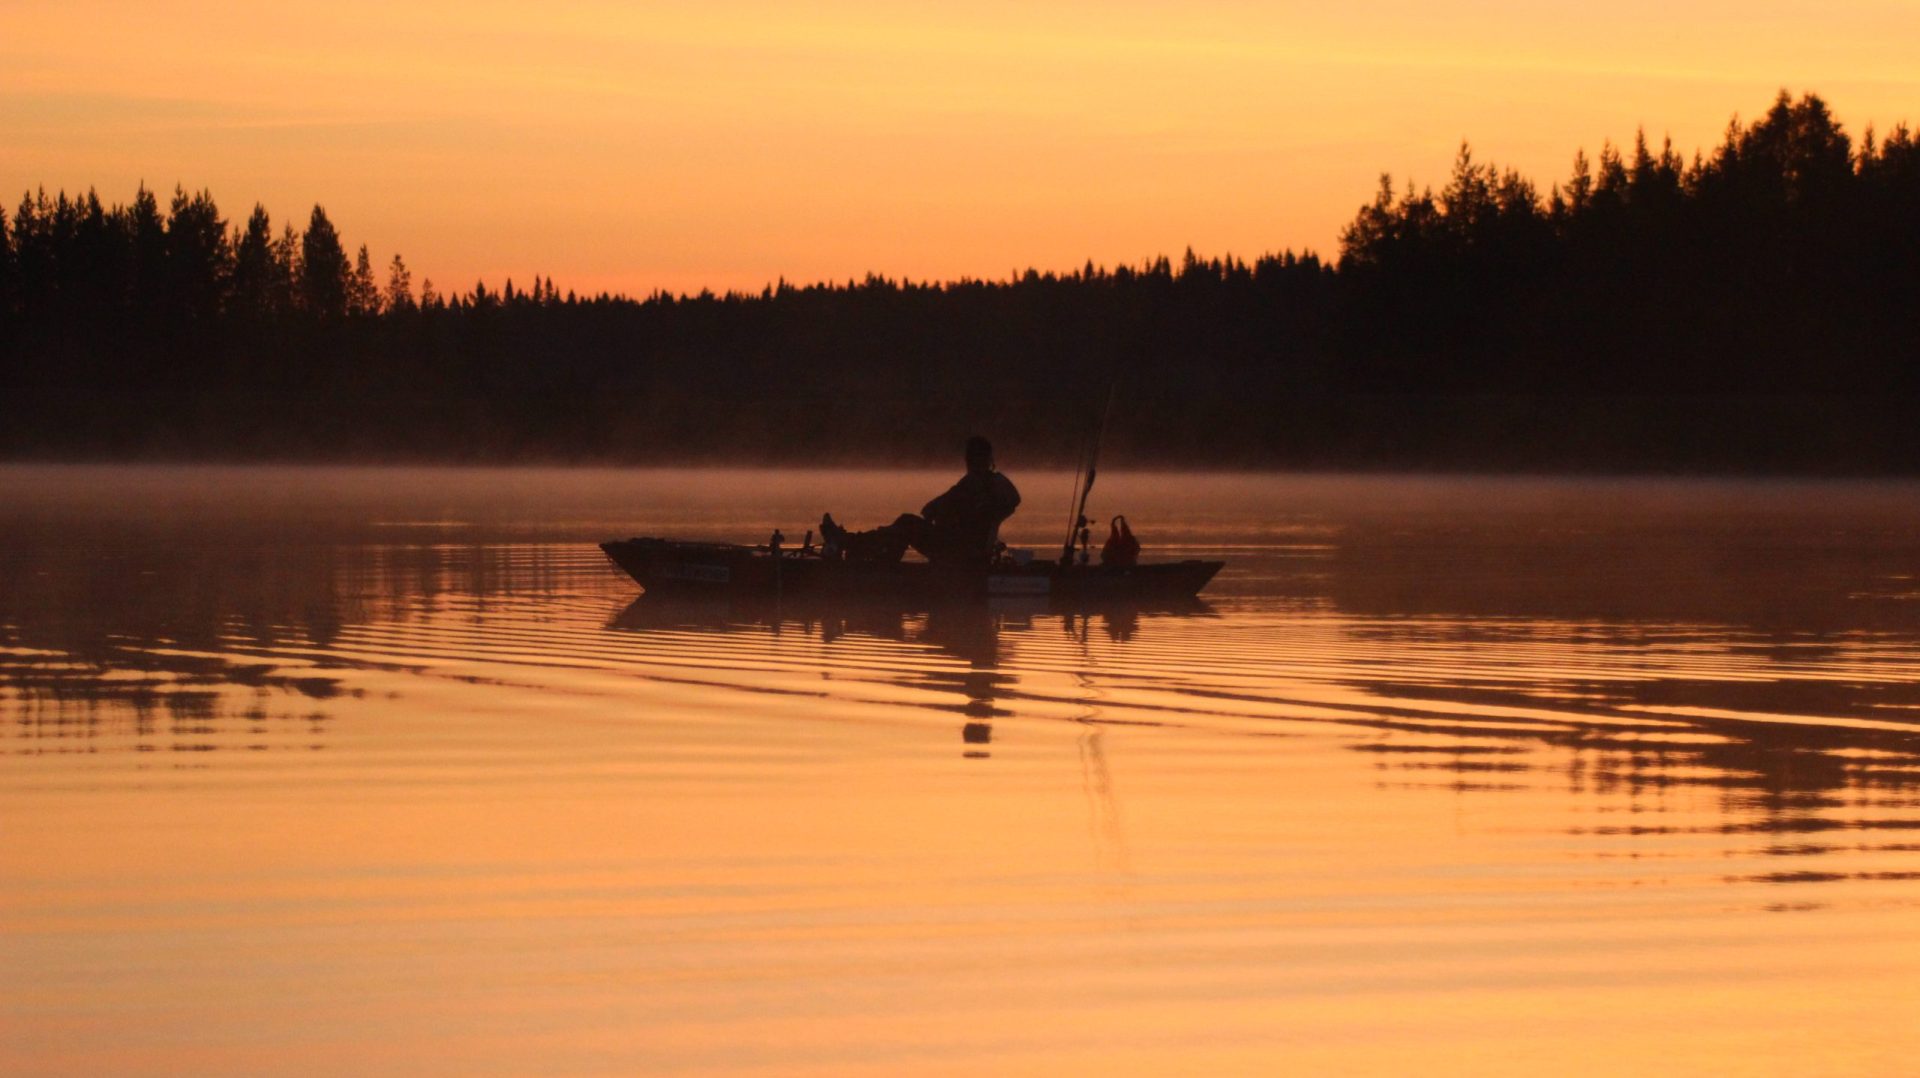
x,y
399,295
148,232
1749,308
254,293
198,259
285,281
324,274
363,296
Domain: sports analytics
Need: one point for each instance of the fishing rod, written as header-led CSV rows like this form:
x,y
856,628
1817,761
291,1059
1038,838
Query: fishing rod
x,y
1092,468
1073,525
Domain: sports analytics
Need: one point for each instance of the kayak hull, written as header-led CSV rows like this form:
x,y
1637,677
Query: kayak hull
x,y
682,568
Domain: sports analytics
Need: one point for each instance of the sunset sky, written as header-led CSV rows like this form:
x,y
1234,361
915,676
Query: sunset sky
x,y
634,147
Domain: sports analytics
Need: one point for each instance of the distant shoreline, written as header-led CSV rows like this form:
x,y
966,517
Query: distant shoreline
x,y
1747,312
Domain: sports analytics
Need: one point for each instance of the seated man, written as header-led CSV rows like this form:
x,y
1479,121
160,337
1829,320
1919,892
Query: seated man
x,y
959,527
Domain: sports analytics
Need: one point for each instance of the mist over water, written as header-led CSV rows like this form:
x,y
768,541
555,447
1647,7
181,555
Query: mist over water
x,y
388,770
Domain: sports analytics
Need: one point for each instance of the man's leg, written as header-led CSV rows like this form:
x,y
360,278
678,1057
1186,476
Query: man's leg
x,y
907,530
888,543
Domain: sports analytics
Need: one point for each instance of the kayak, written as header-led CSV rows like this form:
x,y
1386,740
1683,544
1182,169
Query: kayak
x,y
676,567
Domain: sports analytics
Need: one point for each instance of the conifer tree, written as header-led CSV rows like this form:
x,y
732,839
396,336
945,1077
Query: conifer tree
x,y
148,233
197,256
253,265
399,295
283,293
324,272
363,295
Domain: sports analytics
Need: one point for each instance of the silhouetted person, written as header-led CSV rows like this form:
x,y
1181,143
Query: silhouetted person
x,y
959,527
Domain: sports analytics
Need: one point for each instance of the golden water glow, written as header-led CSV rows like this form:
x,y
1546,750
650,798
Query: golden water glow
x,y
1448,776
632,147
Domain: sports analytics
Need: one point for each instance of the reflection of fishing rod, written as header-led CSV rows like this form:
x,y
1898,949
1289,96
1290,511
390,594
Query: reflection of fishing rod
x,y
1091,465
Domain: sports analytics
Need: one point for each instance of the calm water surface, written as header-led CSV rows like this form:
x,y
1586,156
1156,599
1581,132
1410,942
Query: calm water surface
x,y
386,771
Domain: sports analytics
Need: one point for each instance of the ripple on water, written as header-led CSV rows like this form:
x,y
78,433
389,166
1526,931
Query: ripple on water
x,y
1377,801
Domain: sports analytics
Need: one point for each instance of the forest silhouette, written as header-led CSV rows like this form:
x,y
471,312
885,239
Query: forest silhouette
x,y
1748,309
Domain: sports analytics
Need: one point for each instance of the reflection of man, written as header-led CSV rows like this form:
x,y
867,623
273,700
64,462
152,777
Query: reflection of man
x,y
959,527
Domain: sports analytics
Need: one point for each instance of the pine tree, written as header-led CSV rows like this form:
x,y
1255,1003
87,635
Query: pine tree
x,y
399,295
363,295
324,274
253,268
283,288
198,257
148,233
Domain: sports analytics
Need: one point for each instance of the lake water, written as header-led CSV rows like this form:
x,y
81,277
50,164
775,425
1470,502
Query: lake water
x,y
387,771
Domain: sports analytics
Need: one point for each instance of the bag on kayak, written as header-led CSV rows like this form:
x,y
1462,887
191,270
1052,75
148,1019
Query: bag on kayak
x,y
1121,548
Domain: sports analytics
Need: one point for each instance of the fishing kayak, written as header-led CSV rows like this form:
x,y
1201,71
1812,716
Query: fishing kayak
x,y
674,567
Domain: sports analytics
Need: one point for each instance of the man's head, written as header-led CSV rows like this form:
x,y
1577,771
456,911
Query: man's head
x,y
979,454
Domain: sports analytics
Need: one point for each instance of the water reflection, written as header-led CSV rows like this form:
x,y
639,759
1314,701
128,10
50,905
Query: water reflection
x,y
1761,684
1454,764
1787,736
973,635
152,642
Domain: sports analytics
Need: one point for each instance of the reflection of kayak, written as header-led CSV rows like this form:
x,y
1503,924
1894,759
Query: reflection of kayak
x,y
972,630
881,616
665,565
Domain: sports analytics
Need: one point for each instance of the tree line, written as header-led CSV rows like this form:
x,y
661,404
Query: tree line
x,y
1745,308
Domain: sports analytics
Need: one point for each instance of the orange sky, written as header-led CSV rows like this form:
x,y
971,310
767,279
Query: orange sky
x,y
629,147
